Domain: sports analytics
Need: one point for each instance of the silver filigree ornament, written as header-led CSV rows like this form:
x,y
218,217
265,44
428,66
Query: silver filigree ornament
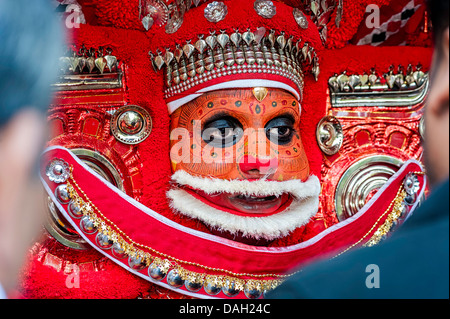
x,y
58,171
216,11
411,184
300,18
265,8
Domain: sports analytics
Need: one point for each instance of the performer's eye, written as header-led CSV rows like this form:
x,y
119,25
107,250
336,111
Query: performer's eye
x,y
280,130
222,132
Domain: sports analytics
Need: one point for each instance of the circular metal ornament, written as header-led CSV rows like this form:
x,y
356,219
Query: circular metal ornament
x,y
300,18
216,11
174,279
101,165
103,241
265,8
411,184
252,293
118,251
193,286
211,289
131,125
136,263
74,210
410,199
58,171
62,195
403,216
229,289
155,272
87,226
330,135
361,181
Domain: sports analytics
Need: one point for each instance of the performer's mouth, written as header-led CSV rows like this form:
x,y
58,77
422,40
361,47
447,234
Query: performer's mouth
x,y
244,205
260,210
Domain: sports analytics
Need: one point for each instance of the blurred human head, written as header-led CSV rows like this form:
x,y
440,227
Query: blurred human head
x,y
30,46
437,109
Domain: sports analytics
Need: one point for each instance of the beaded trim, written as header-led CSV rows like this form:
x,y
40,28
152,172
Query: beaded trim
x,y
235,69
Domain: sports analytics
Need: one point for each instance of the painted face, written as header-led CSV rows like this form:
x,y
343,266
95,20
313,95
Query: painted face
x,y
240,135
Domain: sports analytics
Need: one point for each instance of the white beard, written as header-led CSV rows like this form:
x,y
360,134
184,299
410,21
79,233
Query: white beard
x,y
304,206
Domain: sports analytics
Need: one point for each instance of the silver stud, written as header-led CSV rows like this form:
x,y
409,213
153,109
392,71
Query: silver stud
x,y
118,251
265,8
87,226
410,199
229,289
74,210
174,279
216,11
252,293
193,286
211,289
411,184
103,241
131,125
58,171
62,194
156,272
136,263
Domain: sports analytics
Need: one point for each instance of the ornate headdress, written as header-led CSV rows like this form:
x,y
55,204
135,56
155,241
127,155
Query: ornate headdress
x,y
221,46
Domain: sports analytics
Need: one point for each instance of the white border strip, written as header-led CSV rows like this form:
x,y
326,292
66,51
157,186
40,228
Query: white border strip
x,y
237,84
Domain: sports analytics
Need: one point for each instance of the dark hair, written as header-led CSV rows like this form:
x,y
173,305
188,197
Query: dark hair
x,y
30,44
438,10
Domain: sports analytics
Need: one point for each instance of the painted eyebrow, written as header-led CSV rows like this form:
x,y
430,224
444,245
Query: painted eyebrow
x,y
218,116
288,116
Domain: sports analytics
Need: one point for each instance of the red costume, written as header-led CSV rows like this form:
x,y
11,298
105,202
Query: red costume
x,y
174,218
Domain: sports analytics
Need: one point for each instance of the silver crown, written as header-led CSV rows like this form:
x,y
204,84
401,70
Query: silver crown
x,y
225,54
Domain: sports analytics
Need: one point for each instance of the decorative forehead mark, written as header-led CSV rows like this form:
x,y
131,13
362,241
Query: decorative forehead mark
x,y
260,93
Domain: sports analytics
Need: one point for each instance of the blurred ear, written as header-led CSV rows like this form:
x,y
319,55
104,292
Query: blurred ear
x,y
440,86
21,141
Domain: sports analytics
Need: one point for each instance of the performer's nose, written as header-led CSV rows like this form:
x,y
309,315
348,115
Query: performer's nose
x,y
258,166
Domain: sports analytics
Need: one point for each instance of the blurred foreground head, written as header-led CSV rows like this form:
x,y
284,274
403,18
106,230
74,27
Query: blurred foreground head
x,y
437,110
30,43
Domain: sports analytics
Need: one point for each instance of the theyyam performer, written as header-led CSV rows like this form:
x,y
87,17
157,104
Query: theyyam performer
x,y
210,149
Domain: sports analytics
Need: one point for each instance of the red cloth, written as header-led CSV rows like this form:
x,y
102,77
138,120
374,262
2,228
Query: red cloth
x,y
197,251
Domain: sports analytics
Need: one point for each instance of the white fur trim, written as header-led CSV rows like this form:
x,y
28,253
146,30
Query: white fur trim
x,y
303,208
